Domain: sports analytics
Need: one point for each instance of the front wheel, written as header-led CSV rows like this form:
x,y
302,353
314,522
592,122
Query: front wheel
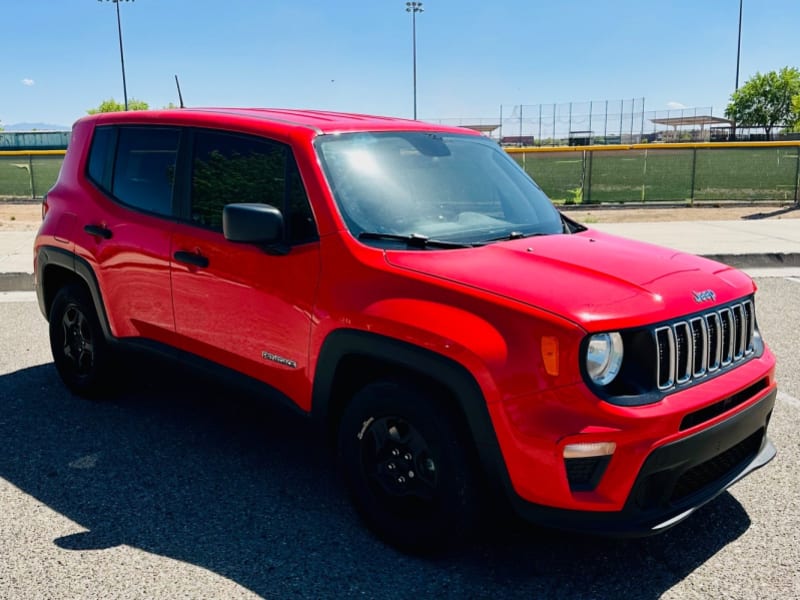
x,y
406,467
80,351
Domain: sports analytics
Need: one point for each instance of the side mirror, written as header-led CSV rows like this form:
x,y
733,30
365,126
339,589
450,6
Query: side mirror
x,y
252,223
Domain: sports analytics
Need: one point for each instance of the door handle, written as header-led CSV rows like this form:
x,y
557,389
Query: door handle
x,y
98,230
191,258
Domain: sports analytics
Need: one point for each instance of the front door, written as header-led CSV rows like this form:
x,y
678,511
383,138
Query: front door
x,y
237,304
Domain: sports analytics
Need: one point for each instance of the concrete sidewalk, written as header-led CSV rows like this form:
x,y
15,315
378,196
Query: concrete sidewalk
x,y
742,244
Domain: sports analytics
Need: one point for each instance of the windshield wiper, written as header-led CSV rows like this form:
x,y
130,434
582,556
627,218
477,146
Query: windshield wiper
x,y
413,240
514,235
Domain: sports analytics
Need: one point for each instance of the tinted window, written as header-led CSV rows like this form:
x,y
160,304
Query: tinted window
x,y
101,157
229,168
144,170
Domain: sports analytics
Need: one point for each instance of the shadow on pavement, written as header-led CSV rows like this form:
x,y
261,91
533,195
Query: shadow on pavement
x,y
775,213
195,473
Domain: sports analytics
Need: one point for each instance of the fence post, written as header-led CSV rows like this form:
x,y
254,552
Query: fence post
x,y
588,179
500,133
540,124
694,170
641,134
797,175
30,175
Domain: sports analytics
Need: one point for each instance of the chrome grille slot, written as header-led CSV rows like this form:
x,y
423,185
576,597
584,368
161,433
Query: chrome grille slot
x,y
750,329
738,331
714,341
665,365
683,352
700,345
726,316
691,349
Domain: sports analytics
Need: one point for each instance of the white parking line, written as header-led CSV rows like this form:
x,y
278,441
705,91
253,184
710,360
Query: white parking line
x,y
17,297
795,279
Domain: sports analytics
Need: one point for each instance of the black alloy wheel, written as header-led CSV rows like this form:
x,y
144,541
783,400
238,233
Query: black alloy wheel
x,y
405,464
80,351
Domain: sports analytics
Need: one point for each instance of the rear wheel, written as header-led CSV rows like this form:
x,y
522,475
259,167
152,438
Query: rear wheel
x,y
80,351
406,467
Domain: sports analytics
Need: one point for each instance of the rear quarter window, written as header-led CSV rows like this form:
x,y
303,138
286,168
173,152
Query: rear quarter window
x,y
101,157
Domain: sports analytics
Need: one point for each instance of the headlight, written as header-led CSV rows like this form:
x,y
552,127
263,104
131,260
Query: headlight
x,y
604,357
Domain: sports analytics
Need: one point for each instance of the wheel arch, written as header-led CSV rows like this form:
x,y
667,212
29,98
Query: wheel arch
x,y
350,359
56,268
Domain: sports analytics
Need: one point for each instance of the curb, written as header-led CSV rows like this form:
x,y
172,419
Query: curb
x,y
752,261
16,282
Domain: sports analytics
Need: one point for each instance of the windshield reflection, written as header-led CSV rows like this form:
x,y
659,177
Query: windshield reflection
x,y
459,188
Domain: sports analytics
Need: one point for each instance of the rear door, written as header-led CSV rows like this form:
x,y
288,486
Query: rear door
x,y
126,231
238,304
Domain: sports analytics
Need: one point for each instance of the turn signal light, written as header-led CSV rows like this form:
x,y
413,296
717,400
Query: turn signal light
x,y
550,354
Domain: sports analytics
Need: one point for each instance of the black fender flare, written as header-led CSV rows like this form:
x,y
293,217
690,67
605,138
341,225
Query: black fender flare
x,y
51,256
347,343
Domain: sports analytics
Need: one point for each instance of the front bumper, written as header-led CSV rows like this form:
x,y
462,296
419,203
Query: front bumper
x,y
678,478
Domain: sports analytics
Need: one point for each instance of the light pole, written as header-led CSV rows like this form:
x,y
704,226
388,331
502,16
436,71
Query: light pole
x,y
121,54
414,8
738,53
739,45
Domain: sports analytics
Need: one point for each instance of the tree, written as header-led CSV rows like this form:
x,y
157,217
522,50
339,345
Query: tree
x,y
796,108
112,105
766,100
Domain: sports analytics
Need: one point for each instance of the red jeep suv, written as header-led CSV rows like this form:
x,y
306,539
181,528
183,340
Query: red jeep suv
x,y
411,287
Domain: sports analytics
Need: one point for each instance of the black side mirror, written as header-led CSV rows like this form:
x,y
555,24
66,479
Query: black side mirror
x,y
254,223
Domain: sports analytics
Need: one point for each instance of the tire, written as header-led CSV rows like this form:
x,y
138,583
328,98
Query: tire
x,y
406,467
80,351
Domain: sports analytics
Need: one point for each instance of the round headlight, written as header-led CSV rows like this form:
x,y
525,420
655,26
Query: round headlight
x,y
604,357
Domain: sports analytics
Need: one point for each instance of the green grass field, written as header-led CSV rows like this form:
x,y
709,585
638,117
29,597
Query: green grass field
x,y
15,175
666,175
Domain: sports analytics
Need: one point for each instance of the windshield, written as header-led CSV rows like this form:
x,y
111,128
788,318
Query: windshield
x,y
449,187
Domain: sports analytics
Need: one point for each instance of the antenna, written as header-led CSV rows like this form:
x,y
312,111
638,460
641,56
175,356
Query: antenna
x,y
180,96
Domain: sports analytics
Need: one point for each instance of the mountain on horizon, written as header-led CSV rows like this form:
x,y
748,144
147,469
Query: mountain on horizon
x,y
35,127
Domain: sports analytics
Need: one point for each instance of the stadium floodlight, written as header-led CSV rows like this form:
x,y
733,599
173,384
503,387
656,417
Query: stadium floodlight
x,y
739,45
121,54
414,8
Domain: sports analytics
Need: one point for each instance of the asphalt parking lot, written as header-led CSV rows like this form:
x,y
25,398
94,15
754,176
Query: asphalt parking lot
x,y
182,491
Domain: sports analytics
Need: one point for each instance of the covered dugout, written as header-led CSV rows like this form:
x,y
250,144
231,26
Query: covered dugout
x,y
698,123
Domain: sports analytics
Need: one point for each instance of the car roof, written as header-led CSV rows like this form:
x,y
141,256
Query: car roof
x,y
321,122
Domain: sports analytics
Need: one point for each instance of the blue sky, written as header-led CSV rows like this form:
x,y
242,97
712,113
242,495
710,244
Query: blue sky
x,y
61,57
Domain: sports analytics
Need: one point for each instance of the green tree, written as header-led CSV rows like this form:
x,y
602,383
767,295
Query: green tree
x,y
112,105
796,108
767,100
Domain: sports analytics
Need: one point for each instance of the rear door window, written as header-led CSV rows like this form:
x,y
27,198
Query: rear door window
x,y
144,168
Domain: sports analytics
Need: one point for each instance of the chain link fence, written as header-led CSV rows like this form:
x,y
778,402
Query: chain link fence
x,y
27,175
766,171
593,122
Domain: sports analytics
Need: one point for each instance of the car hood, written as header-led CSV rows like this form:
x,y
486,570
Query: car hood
x,y
597,280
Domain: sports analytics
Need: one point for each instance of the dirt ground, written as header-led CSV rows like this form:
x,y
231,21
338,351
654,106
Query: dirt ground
x,y
27,216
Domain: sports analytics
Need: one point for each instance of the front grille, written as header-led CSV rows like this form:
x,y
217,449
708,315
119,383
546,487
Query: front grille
x,y
718,467
701,345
